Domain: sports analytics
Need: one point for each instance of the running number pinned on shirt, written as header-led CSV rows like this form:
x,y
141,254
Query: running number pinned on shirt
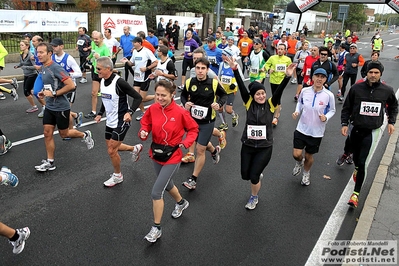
x,y
256,132
370,108
199,112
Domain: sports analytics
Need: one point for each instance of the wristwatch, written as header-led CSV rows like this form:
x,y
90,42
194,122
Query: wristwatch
x,y
54,93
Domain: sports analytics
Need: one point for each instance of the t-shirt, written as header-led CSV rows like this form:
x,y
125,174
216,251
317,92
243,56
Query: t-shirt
x,y
142,58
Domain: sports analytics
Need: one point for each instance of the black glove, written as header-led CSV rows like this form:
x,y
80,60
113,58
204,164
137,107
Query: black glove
x,y
232,86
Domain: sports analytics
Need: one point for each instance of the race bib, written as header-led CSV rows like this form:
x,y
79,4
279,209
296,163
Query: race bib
x,y
139,76
212,59
370,108
244,44
187,49
199,112
254,71
80,42
280,67
47,87
225,80
256,132
308,72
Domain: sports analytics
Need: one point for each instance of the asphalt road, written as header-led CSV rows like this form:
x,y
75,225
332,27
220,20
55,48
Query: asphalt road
x,y
74,220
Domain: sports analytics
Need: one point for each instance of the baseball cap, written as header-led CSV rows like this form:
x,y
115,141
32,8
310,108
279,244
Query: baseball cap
x,y
353,45
56,42
256,40
320,71
227,52
28,35
230,38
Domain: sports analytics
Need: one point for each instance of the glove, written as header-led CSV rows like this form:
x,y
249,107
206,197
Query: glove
x,y
232,86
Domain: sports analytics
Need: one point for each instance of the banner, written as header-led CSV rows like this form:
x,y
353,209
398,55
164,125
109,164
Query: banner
x,y
304,5
183,21
394,4
116,22
291,22
237,22
41,21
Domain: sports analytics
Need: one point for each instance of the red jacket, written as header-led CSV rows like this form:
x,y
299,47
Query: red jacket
x,y
307,67
168,126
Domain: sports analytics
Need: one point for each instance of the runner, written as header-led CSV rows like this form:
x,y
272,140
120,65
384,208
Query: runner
x,y
5,143
299,59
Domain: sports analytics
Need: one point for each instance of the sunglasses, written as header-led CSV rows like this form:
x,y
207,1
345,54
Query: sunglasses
x,y
98,68
353,48
324,54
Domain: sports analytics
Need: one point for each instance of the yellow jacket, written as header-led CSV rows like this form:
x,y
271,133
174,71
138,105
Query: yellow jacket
x,y
3,53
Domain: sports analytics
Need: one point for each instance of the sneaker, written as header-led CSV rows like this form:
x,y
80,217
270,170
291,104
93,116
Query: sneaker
x,y
223,126
354,174
297,168
140,116
341,159
114,180
354,200
45,166
275,121
190,183
19,244
14,94
188,158
83,80
8,178
88,139
154,234
339,93
234,120
267,75
180,88
216,157
293,81
179,208
305,179
3,141
251,204
8,145
32,109
15,84
222,139
340,98
2,96
136,152
41,114
296,97
349,159
79,120
90,115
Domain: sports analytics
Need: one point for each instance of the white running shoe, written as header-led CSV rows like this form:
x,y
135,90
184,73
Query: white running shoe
x,y
179,208
83,80
154,234
114,180
305,179
298,168
136,152
19,244
88,139
45,166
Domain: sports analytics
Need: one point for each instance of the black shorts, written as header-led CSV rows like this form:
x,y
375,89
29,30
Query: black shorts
x,y
82,61
94,76
71,96
59,118
299,77
205,133
144,86
310,144
117,134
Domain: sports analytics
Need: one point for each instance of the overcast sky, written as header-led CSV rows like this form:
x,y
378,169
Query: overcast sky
x,y
381,8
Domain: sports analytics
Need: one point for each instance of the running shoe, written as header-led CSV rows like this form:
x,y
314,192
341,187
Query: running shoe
x,y
190,183
19,244
32,109
251,204
188,158
339,93
305,179
88,139
41,114
136,152
234,120
340,98
45,166
341,159
296,97
216,156
154,234
297,168
140,116
354,200
5,145
275,121
223,126
8,178
15,84
14,94
114,180
293,81
179,208
79,120
222,139
180,88
90,115
83,80
354,174
2,96
349,159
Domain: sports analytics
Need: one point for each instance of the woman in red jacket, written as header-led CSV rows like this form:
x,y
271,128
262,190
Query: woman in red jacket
x,y
168,123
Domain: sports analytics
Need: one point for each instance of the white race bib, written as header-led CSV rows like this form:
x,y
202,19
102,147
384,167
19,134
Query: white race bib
x,y
187,48
212,59
80,42
370,108
254,71
280,67
48,87
199,112
225,79
256,132
139,76
244,44
308,72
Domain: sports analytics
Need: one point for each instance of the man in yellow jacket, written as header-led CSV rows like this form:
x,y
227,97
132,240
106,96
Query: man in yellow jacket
x,y
13,82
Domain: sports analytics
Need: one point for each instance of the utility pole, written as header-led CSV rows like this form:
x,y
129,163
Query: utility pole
x,y
218,7
342,27
328,22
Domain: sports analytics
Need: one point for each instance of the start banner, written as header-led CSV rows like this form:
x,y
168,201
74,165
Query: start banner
x,y
116,22
41,21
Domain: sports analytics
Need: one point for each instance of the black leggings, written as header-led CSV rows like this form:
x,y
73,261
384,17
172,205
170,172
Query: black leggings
x,y
29,81
254,161
346,78
128,69
186,63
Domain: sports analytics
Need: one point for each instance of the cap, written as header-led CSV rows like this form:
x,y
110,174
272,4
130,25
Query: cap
x,y
256,40
210,39
353,45
137,39
375,64
28,35
227,52
254,87
320,71
230,38
56,42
